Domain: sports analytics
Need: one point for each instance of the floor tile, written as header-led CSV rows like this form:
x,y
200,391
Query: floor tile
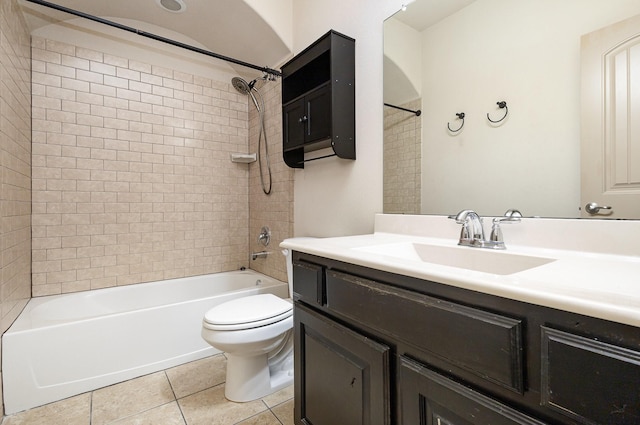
x,y
72,411
264,418
279,397
284,412
167,414
209,407
130,397
196,376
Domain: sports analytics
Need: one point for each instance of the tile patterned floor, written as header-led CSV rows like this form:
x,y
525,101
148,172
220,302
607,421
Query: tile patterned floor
x,y
189,394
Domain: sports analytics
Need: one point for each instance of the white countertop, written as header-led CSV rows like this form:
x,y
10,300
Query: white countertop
x,y
585,281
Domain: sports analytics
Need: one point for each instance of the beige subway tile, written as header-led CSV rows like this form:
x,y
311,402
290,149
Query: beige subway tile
x,y
102,68
60,70
116,82
75,264
75,286
105,282
61,277
90,273
76,129
102,89
128,74
89,76
115,60
103,261
128,94
46,56
139,66
46,266
41,290
92,252
90,98
76,219
140,106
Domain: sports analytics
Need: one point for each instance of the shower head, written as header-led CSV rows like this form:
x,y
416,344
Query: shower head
x,y
245,88
241,85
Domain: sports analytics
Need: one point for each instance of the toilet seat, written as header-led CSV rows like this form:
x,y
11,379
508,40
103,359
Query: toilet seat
x,y
247,313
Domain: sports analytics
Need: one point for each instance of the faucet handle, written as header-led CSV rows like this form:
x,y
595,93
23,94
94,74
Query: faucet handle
x,y
510,216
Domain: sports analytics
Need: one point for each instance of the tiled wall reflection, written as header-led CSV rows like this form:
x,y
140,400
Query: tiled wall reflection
x,y
402,160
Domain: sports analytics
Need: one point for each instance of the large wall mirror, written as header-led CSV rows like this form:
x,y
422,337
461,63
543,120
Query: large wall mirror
x,y
447,57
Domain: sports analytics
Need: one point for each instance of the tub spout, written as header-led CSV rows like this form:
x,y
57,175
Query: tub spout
x,y
261,254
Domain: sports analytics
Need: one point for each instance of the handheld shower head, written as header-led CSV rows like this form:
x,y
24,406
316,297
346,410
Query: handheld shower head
x,y
245,88
241,85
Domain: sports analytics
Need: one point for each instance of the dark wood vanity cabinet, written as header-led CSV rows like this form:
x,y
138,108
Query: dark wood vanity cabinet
x,y
379,348
343,376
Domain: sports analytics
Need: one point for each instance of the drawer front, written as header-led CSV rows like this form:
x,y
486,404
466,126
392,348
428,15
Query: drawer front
x,y
430,398
308,283
483,343
588,380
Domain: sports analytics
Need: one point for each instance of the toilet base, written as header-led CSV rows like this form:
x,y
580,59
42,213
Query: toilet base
x,y
252,377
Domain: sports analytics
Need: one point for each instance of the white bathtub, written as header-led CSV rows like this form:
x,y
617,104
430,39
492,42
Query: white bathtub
x,y
63,345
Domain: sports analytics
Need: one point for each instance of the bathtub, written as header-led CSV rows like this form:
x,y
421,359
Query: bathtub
x,y
63,345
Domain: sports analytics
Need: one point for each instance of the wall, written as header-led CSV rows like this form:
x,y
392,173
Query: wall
x,y
15,162
402,173
132,178
333,196
528,54
276,209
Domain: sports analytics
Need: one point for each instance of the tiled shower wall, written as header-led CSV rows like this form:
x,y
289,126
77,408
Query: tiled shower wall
x,y
15,163
275,210
132,178
402,160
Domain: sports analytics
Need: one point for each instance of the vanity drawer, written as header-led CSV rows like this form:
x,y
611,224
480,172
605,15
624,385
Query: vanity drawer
x,y
308,283
591,381
484,343
430,398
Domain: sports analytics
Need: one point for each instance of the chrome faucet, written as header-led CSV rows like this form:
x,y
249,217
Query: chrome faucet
x,y
472,233
472,230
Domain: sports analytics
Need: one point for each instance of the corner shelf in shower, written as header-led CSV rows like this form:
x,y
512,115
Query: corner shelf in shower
x,y
318,100
243,158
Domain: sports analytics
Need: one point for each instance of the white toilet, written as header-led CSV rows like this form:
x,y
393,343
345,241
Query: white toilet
x,y
256,333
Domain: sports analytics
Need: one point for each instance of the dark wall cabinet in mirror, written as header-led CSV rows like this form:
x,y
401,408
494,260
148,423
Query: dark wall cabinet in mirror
x,y
318,100
373,347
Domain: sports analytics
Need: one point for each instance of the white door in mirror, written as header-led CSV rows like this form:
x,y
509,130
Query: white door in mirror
x,y
610,146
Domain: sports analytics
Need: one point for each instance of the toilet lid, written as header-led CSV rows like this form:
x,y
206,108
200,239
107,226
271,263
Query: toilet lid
x,y
249,310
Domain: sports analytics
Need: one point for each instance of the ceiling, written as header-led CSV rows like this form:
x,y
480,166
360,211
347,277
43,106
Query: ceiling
x,y
424,13
230,28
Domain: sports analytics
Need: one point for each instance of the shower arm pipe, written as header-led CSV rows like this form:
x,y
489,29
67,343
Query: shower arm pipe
x,y
417,113
154,37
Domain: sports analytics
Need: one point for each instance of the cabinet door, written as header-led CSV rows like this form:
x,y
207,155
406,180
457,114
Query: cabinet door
x,y
293,116
589,380
429,398
318,110
341,377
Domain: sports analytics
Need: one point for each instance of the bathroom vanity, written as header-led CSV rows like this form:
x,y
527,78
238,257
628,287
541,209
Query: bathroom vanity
x,y
384,335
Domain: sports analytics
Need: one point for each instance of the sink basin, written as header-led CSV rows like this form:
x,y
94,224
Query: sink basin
x,y
477,259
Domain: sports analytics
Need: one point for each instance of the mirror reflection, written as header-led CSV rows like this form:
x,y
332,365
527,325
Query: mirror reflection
x,y
448,57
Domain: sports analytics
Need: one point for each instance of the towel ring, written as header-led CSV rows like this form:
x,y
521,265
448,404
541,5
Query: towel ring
x,y
502,105
460,115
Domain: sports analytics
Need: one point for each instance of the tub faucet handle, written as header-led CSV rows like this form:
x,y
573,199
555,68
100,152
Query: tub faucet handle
x,y
265,236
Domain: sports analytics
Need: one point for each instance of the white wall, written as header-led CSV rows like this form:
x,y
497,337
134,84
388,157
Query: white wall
x,y
528,54
340,197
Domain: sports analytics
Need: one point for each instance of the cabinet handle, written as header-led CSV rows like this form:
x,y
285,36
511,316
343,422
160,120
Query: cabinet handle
x,y
303,119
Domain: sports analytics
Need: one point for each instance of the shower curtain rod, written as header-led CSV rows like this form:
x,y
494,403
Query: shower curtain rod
x,y
154,36
418,112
